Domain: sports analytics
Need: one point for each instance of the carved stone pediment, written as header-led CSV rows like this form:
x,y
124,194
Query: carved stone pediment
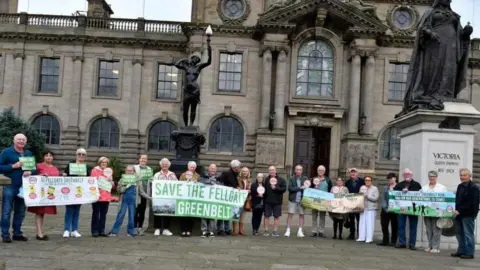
x,y
350,13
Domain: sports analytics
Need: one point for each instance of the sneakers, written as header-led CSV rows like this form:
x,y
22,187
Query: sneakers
x,y
212,234
166,232
157,232
139,231
131,235
112,235
266,233
76,234
300,233
204,234
287,233
66,234
428,249
275,234
436,251
7,239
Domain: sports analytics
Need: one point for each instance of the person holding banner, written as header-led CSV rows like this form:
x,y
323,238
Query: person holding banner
x,y
100,208
228,179
15,163
46,168
160,223
366,226
77,167
257,191
296,185
388,217
353,184
323,183
275,186
209,178
186,223
244,183
433,232
338,189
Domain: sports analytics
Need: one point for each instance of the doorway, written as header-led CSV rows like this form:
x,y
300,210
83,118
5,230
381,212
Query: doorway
x,y
312,148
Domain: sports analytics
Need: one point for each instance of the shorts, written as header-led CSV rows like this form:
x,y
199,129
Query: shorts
x,y
295,208
274,210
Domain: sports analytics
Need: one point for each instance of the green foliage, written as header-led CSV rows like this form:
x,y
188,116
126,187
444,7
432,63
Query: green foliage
x,y
118,168
11,124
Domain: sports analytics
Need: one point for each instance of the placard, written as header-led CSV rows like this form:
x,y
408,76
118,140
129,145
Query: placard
x,y
417,203
29,163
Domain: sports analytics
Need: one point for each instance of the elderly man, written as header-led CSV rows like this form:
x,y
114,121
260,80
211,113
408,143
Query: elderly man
x,y
11,167
353,184
466,210
229,179
209,178
295,190
407,185
322,183
273,199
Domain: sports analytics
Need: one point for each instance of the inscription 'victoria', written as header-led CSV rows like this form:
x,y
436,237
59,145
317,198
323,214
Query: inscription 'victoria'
x,y
449,156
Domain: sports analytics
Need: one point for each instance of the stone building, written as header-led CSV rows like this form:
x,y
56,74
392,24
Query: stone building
x,y
291,82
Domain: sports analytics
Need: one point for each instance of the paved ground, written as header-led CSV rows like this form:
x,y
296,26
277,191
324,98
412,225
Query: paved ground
x,y
171,253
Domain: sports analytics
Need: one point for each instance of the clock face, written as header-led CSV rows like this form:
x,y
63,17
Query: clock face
x,y
403,18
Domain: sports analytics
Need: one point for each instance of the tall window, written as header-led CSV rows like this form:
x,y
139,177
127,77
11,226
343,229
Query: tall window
x,y
315,70
397,81
167,82
159,136
104,133
48,125
390,144
226,135
230,72
49,71
108,78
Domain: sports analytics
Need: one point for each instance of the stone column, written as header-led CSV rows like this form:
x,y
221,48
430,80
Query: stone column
x,y
266,89
354,98
18,78
368,93
280,87
75,94
134,101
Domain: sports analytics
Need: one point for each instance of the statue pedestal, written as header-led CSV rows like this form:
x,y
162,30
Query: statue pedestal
x,y
187,145
442,141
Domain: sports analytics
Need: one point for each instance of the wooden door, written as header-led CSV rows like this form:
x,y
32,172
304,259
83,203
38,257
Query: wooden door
x,y
304,152
322,148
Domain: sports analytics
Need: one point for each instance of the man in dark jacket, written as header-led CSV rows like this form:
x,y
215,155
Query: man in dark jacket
x,y
295,195
209,178
467,200
407,185
229,179
353,184
275,186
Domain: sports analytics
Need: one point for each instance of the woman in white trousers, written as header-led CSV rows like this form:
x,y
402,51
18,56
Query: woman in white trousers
x,y
367,217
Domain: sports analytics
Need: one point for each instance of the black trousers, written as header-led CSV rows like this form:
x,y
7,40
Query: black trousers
x,y
386,219
257,215
186,224
337,225
99,217
140,213
161,223
353,228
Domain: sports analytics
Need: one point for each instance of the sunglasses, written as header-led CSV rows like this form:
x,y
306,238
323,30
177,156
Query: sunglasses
x,y
81,154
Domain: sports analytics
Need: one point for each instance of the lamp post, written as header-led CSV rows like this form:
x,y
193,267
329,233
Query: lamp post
x,y
209,33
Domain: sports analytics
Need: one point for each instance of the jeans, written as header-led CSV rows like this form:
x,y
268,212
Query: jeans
x,y
465,227
318,216
392,219
207,225
221,225
402,222
433,232
11,201
99,217
352,218
72,214
257,215
140,213
128,203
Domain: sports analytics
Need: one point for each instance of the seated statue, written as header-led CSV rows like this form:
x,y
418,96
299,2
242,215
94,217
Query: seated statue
x,y
362,6
276,4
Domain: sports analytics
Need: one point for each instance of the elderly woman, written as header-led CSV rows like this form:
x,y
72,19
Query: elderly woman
x,y
162,223
367,217
388,217
186,223
244,183
257,192
145,173
433,232
338,189
77,167
100,208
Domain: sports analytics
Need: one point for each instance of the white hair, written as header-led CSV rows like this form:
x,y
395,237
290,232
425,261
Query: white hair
x,y
407,170
130,167
212,165
19,135
192,163
81,151
165,160
260,175
299,166
321,167
101,159
465,171
235,164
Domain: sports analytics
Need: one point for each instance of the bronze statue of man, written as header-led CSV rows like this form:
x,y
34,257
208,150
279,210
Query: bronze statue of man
x,y
439,60
192,66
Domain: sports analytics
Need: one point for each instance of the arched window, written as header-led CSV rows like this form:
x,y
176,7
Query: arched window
x,y
226,135
159,136
48,125
315,70
104,133
390,144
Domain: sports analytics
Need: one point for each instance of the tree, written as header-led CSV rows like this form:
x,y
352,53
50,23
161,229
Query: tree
x,y
12,124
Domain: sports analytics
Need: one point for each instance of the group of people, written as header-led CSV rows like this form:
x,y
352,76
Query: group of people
x,y
265,199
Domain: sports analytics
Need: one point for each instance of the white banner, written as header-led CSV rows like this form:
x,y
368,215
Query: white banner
x,y
45,191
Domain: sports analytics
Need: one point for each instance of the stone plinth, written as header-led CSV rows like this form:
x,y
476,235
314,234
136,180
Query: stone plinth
x,y
442,141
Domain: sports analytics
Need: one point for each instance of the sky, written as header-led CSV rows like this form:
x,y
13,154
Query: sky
x,y
180,10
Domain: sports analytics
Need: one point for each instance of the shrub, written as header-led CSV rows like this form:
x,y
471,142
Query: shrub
x,y
118,168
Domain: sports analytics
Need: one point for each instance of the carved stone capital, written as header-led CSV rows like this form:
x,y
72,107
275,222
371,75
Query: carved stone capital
x,y
362,52
19,55
137,61
282,56
77,58
274,48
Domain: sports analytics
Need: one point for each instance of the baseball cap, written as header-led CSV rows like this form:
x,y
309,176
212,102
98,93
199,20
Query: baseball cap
x,y
353,170
433,173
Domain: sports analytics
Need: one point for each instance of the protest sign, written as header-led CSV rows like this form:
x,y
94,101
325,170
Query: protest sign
x,y
129,179
29,163
328,202
190,199
77,169
44,191
104,184
417,203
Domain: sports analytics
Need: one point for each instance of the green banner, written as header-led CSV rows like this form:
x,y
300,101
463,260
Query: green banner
x,y
129,179
417,203
190,199
104,184
29,163
328,202
77,169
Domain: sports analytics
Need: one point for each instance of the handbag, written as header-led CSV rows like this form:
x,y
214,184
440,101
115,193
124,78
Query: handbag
x,y
248,205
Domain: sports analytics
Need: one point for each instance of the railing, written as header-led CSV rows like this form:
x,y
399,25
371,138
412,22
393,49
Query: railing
x,y
114,24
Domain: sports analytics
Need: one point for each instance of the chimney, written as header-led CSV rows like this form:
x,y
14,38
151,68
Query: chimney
x,y
99,8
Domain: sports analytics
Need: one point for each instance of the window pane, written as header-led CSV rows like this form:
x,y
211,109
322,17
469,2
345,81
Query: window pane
x,y
397,82
167,80
230,72
159,137
104,133
49,71
226,135
390,144
108,74
49,127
